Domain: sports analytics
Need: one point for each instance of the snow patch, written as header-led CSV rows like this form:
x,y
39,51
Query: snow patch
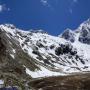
x,y
43,72
12,56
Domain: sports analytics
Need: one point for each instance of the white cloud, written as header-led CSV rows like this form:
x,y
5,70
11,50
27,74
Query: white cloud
x,y
1,8
44,2
47,4
4,8
75,1
72,5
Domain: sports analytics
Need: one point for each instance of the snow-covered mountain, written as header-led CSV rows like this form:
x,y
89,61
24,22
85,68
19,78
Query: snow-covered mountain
x,y
41,54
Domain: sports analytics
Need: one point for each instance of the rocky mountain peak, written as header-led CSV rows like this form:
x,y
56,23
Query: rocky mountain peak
x,y
84,31
69,35
11,26
85,25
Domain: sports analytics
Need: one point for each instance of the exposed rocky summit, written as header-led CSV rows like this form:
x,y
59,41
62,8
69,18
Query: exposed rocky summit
x,y
69,35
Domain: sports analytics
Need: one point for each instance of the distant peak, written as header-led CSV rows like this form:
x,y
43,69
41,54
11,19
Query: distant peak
x,y
85,24
68,34
11,26
38,31
66,31
88,21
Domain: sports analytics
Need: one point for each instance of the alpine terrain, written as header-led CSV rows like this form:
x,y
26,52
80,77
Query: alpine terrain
x,y
27,57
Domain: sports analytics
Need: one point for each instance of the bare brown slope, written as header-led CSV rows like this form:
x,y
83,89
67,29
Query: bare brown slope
x,y
71,82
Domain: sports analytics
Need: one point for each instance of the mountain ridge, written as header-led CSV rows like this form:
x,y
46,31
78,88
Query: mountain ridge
x,y
33,54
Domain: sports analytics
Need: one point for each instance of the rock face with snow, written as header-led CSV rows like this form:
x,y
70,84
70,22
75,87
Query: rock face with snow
x,y
31,54
68,35
85,32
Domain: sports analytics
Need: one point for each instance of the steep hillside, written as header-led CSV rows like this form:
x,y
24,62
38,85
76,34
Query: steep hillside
x,y
32,54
